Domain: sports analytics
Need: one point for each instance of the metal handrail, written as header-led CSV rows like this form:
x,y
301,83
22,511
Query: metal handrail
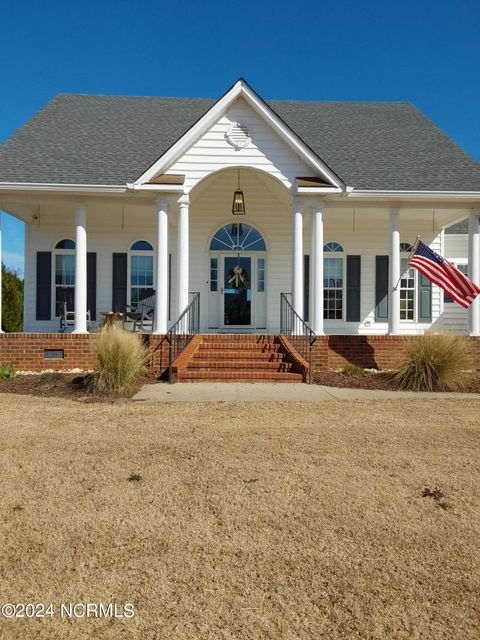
x,y
182,331
299,333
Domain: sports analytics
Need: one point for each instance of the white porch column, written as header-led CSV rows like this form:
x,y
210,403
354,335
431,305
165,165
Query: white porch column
x,y
297,256
474,269
80,325
394,274
182,255
161,268
316,268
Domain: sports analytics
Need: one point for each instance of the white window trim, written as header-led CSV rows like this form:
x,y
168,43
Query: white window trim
x,y
343,255
130,254
404,255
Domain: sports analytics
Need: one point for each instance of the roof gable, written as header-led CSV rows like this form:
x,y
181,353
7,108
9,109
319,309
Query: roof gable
x,y
261,148
240,90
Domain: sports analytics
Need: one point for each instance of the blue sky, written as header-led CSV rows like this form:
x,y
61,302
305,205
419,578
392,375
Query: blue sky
x,y
423,51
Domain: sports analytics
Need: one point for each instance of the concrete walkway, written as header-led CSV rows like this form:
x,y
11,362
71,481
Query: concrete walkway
x,y
264,391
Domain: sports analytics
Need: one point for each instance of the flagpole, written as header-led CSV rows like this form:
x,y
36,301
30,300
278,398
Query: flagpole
x,y
414,248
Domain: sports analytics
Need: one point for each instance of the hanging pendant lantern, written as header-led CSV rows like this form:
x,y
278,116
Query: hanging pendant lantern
x,y
238,205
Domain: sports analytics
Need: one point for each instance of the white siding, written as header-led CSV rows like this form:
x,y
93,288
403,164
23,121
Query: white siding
x,y
266,151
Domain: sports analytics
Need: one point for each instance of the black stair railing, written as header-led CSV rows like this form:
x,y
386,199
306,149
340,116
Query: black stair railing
x,y
181,333
297,330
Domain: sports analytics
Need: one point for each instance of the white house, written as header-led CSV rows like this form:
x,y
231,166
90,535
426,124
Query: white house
x,y
124,195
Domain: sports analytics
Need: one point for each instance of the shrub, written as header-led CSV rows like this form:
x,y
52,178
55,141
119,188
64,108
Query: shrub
x,y
352,370
435,362
121,360
7,372
12,292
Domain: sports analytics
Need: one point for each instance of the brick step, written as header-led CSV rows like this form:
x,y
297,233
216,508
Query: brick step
x,y
228,365
240,375
240,337
232,354
240,346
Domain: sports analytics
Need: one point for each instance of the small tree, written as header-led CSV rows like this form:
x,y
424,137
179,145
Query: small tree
x,y
12,300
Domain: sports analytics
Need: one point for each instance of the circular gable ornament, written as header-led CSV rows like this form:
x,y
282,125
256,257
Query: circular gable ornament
x,y
238,135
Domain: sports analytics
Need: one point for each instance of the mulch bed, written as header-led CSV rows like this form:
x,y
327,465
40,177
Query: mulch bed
x,y
370,380
75,386
72,386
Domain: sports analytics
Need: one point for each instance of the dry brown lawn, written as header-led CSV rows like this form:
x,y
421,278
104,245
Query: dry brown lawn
x,y
251,521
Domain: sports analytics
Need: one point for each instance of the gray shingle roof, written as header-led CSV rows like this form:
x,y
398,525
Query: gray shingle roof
x,y
88,139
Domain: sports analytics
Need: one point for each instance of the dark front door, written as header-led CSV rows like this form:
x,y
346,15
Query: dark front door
x,y
237,294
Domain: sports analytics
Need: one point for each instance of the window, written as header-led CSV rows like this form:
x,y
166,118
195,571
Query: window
x,y
65,244
141,271
261,275
213,274
405,247
64,278
141,245
333,247
461,266
407,291
333,269
237,236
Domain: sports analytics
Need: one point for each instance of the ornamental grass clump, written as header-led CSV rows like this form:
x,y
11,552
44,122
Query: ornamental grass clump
x,y
122,359
435,362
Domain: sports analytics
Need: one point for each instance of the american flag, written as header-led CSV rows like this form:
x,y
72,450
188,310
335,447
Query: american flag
x,y
444,274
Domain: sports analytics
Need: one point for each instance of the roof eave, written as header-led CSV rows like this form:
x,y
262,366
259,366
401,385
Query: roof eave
x,y
411,194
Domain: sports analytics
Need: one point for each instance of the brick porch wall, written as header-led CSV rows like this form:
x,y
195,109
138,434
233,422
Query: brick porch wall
x,y
26,351
375,352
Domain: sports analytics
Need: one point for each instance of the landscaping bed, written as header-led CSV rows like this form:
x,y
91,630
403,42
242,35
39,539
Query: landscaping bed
x,y
73,386
376,380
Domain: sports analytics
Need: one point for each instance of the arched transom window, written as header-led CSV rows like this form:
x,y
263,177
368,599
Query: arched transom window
x,y
141,271
333,247
237,236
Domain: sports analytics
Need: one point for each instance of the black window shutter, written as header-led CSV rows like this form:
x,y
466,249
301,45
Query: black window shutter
x,y
381,288
92,285
306,288
424,299
119,282
44,286
353,288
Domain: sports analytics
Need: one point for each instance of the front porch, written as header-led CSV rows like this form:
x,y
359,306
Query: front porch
x,y
343,261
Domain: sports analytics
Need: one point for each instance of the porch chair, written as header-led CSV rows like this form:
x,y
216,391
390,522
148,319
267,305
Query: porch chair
x,y
67,317
141,314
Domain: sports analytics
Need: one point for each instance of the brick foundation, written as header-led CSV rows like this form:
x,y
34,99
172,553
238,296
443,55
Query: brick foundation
x,y
373,352
26,351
